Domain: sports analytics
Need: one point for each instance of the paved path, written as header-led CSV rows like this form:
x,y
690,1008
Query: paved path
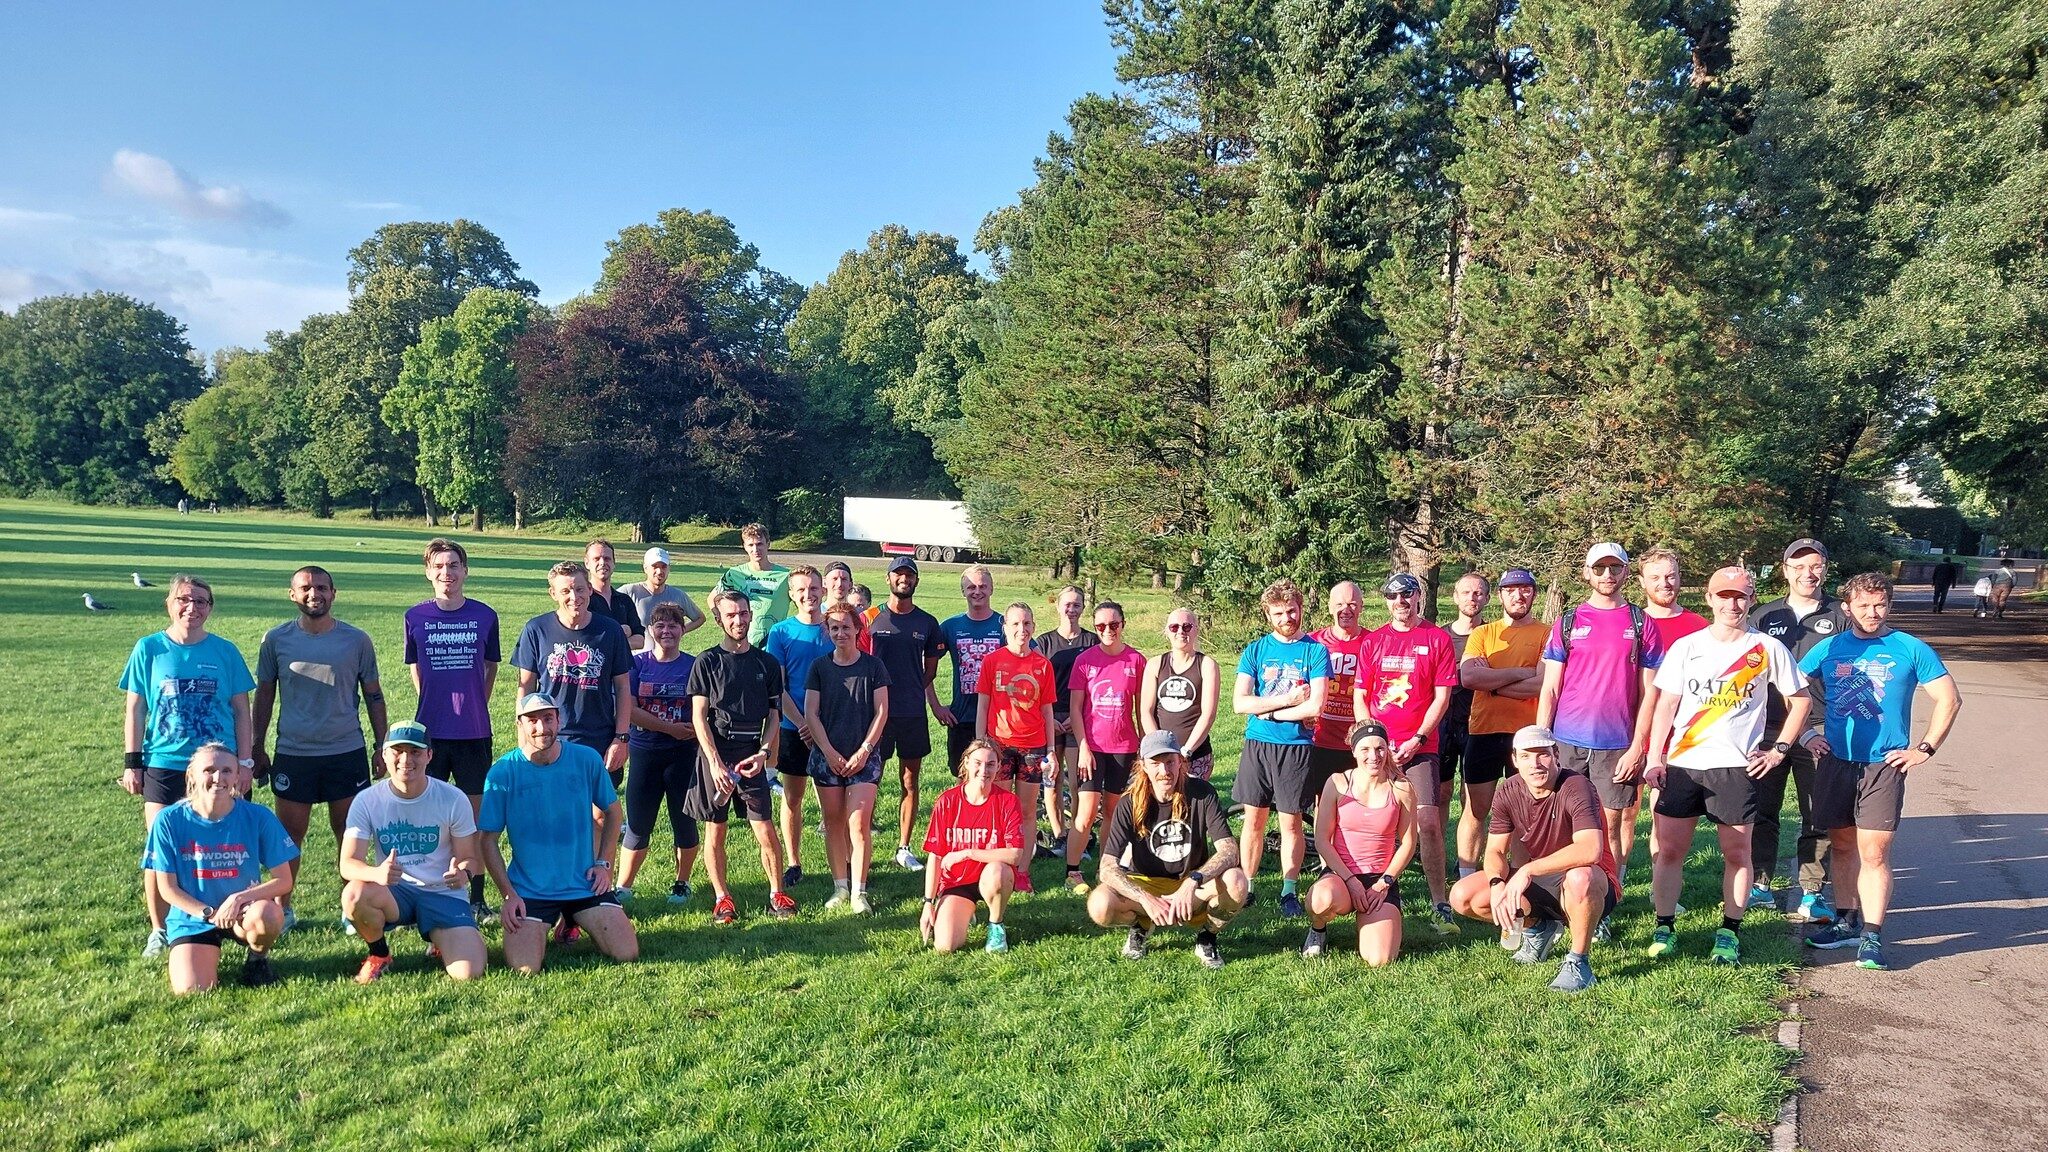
x,y
1949,1049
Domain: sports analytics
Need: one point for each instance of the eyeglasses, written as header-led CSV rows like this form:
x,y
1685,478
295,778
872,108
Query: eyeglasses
x,y
1180,627
195,601
1109,625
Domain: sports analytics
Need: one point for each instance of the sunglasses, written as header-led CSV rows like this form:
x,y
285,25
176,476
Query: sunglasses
x,y
1400,595
1109,625
1180,627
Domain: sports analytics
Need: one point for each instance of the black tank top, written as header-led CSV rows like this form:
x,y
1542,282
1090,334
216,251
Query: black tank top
x,y
1180,700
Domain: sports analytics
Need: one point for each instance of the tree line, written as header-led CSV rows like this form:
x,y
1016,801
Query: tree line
x,y
1325,285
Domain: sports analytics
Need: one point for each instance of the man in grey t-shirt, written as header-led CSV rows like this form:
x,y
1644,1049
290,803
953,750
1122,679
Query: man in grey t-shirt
x,y
317,672
657,590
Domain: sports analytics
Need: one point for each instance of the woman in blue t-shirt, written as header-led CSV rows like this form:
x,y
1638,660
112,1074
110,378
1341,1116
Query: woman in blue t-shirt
x,y
208,853
663,752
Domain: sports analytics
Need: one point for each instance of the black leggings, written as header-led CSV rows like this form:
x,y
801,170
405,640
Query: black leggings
x,y
651,774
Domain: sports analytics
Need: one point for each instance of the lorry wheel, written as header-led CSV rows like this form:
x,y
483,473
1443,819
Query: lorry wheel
x,y
948,554
922,552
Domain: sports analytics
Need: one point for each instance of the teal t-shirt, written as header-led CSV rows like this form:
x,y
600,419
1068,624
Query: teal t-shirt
x,y
545,810
214,859
187,692
1276,666
1868,688
767,592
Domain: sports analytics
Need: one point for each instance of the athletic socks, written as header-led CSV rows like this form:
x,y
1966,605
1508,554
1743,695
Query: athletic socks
x,y
1286,887
841,887
476,889
1667,921
381,946
1731,923
1465,870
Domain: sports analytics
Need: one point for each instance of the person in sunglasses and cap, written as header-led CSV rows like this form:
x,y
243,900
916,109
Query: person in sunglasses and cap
x,y
1550,818
1406,670
1168,857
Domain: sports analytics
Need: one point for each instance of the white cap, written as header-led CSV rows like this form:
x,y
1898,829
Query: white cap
x,y
1606,551
655,556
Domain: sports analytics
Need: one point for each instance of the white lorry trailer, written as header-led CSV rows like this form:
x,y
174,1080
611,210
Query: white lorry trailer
x,y
926,529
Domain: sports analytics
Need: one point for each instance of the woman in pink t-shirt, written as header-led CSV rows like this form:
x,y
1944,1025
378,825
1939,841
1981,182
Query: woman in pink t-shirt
x,y
1365,833
977,851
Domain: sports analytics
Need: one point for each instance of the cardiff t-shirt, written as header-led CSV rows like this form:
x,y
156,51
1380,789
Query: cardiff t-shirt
x,y
1546,825
1399,673
576,666
766,592
1109,685
1170,847
545,810
1602,685
846,697
450,650
421,831
1019,687
742,687
1723,689
187,694
1277,667
1869,687
958,823
794,644
970,641
214,859
903,642
661,689
1337,714
1504,643
319,676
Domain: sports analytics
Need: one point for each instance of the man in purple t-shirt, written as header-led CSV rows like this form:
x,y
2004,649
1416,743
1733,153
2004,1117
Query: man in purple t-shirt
x,y
1599,668
451,648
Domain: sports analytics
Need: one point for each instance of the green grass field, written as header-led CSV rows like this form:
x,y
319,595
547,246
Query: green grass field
x,y
824,1031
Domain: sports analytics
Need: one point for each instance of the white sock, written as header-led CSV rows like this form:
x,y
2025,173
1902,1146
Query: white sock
x,y
839,887
1465,870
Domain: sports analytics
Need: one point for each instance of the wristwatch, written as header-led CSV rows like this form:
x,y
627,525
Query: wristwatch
x,y
621,737
604,864
1198,878
1926,747
1781,747
245,763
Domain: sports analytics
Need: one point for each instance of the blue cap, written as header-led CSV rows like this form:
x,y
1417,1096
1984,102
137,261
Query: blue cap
x,y
1518,578
1401,582
411,733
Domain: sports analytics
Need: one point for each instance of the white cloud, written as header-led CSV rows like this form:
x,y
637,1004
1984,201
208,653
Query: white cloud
x,y
31,218
157,180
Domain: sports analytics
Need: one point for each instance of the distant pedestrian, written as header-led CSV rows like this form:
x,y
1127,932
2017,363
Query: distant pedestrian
x,y
1944,578
183,508
2003,580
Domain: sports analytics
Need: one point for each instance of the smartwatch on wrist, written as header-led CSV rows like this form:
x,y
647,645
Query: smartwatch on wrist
x,y
1781,747
1926,747
1198,878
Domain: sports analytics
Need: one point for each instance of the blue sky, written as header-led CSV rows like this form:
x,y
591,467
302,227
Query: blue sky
x,y
220,160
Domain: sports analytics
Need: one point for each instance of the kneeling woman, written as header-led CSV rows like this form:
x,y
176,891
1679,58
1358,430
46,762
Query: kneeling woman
x,y
976,842
1365,833
1168,856
209,853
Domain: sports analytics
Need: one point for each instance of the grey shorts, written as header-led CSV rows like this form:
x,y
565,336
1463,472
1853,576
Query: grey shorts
x,y
1598,765
1848,794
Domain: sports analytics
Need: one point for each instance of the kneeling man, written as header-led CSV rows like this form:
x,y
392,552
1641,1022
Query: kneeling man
x,y
1168,857
425,835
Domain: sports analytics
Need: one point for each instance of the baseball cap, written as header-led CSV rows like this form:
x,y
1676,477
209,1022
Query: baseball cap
x,y
903,564
1805,544
655,556
1534,736
1400,582
412,733
1518,578
1730,579
1607,550
536,702
1158,743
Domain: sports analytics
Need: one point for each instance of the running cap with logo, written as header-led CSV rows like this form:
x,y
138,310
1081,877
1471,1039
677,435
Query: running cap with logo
x,y
536,702
1731,579
903,564
1518,578
1607,550
1368,730
1401,582
1534,736
655,556
412,733
1158,743
1805,544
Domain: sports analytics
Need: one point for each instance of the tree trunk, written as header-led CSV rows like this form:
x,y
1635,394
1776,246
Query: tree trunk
x,y
476,518
518,512
427,502
1158,578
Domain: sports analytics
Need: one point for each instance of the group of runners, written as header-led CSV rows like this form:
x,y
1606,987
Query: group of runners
x,y
1551,733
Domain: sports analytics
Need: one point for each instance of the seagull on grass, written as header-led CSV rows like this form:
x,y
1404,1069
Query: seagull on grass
x,y
139,581
92,605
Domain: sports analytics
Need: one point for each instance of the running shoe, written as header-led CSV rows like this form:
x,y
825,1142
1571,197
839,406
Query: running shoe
x,y
862,906
155,945
291,920
679,892
373,967
1207,952
1134,943
1664,942
792,875
1312,946
724,912
1813,909
838,899
1537,939
1290,905
775,786
623,891
1574,975
257,972
907,860
1442,921
782,905
566,932
1076,885
1603,933
998,940
1045,849
1870,952
1761,896
483,912
1836,935
1727,948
